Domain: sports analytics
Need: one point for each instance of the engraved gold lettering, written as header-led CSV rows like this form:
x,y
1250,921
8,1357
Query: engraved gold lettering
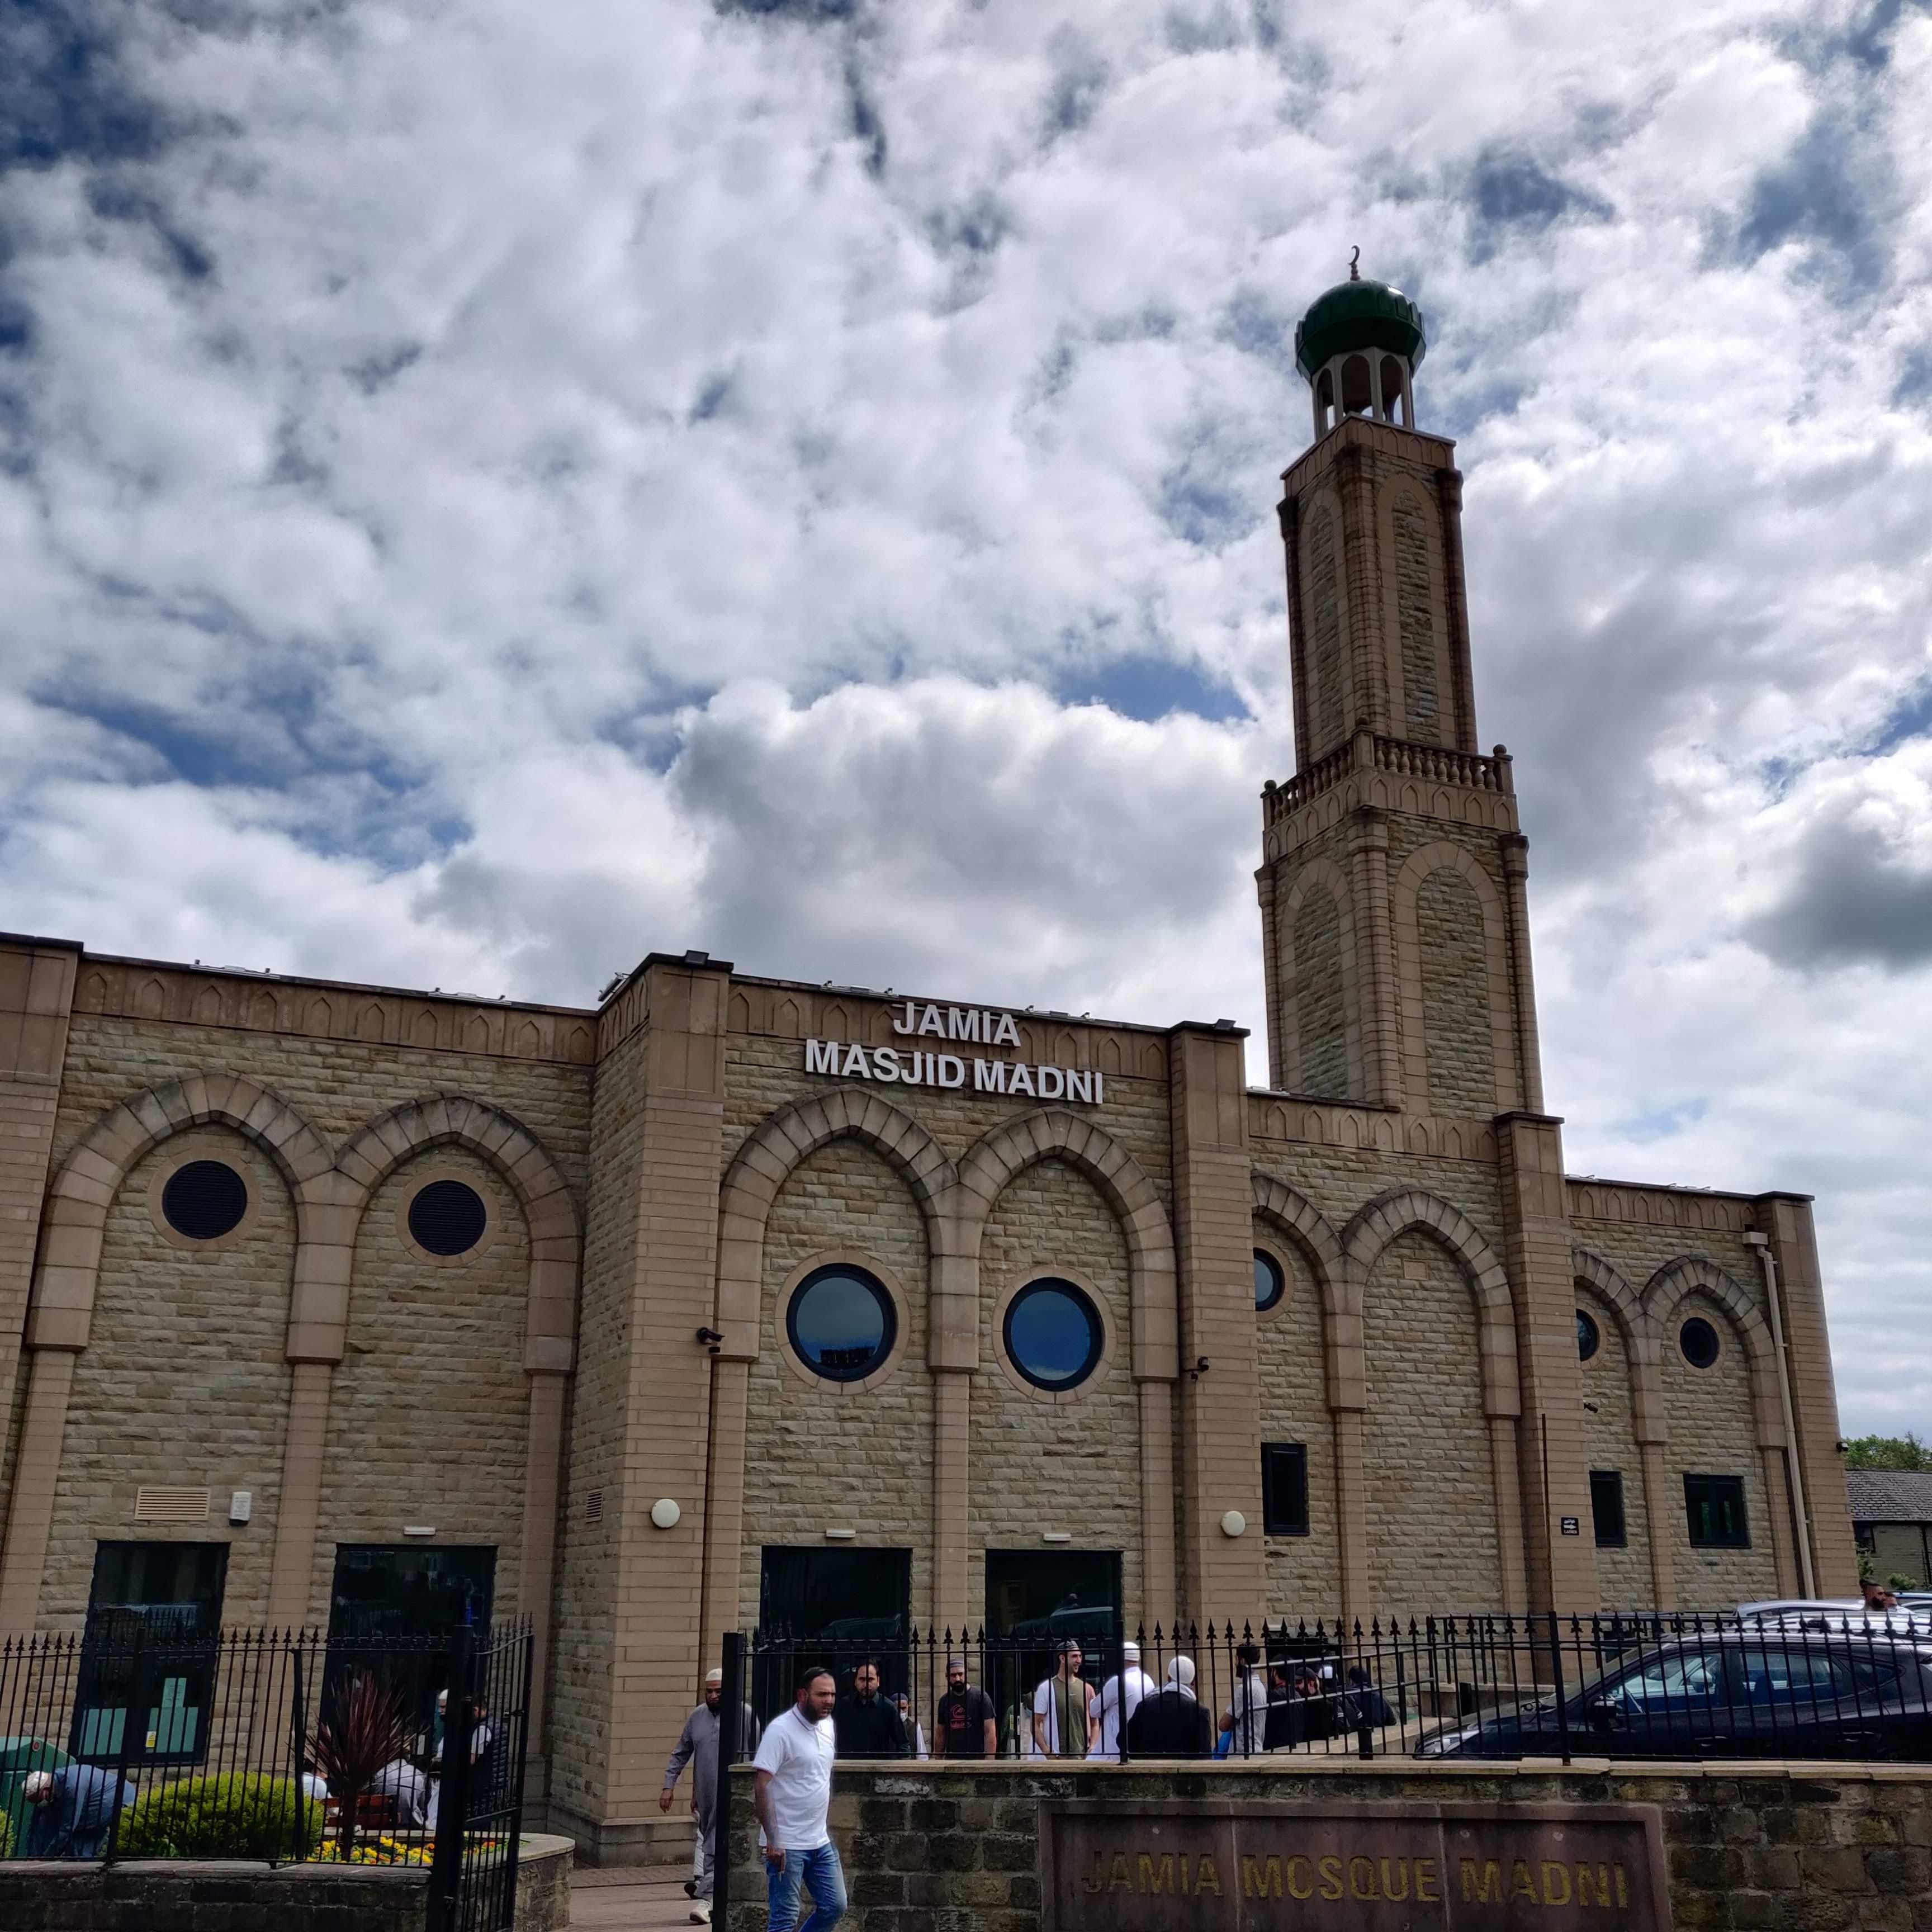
x,y
1555,1875
1207,1875
1358,1886
1522,1882
1593,1887
1482,1883
1623,1890
1263,1881
1330,1869
1096,1882
1425,1878
1119,1878
1401,1872
1306,1890
1156,1877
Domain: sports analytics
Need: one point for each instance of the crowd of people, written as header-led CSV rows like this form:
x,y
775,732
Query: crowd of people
x,y
1269,1708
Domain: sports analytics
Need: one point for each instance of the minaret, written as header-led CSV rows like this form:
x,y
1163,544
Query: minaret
x,y
1392,912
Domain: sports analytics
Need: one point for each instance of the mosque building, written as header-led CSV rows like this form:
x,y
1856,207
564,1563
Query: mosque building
x,y
736,1299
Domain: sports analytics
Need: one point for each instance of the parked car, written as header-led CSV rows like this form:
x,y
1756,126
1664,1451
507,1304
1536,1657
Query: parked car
x,y
1911,1617
1767,1692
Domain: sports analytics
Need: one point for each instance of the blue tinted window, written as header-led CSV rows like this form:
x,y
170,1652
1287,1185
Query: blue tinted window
x,y
1270,1283
1589,1339
841,1323
1053,1334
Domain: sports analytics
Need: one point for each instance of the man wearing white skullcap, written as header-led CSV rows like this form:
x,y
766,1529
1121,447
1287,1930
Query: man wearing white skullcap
x,y
698,1746
1120,1698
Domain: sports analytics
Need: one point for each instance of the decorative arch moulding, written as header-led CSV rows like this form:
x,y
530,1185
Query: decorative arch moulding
x,y
331,1009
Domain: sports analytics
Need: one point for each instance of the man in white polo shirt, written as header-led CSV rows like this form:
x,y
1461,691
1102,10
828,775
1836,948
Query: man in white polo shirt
x,y
794,1792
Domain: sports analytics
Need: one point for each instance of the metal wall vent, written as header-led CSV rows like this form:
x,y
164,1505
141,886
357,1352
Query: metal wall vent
x,y
165,1503
593,1507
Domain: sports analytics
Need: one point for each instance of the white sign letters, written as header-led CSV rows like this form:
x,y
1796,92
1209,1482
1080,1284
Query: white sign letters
x,y
916,1067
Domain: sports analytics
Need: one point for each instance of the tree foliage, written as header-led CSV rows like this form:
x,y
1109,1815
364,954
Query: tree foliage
x,y
1888,1452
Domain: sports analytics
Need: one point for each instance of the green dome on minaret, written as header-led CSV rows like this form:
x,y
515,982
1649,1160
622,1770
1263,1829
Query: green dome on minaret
x,y
1358,314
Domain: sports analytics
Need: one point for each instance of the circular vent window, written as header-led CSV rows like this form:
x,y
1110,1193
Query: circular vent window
x,y
204,1200
1271,1284
1699,1341
447,1218
1589,1337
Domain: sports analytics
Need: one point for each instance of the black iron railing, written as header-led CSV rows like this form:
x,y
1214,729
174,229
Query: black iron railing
x,y
144,1737
1823,1685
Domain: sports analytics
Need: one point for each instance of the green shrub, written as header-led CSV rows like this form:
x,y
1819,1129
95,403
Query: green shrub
x,y
237,1815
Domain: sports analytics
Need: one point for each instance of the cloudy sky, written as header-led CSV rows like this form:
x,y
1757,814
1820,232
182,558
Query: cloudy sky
x,y
487,490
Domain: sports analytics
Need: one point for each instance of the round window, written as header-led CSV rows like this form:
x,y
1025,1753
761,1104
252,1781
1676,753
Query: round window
x,y
447,1218
1699,1341
1271,1284
1589,1339
841,1323
1053,1334
204,1200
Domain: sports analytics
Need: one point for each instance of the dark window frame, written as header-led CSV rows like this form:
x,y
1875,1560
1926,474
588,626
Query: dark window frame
x,y
1613,1534
1265,1257
845,1374
1097,1332
1710,1504
1586,1321
1284,1464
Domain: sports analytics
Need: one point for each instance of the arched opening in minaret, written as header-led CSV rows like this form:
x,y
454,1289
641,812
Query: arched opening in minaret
x,y
1395,394
1325,404
1356,399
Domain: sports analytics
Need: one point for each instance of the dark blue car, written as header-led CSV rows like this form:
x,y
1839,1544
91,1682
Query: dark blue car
x,y
1734,1693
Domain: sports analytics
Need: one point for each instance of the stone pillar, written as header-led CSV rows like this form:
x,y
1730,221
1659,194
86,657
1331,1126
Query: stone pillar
x,y
542,1469
1552,1472
952,1540
1660,1516
36,997
1505,1459
1529,1051
1160,1584
1786,1219
36,1475
299,1516
1777,1502
1375,951
640,1430
1223,1577
1351,1530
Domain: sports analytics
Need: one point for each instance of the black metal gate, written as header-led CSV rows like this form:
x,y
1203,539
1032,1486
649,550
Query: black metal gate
x,y
472,1879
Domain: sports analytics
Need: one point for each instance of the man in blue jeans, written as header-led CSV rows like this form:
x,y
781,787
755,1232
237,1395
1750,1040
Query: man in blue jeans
x,y
794,1792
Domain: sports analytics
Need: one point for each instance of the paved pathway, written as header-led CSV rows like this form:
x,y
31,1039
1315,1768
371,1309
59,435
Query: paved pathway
x,y
630,1898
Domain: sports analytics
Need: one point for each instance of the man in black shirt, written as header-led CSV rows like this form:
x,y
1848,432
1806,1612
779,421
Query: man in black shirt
x,y
1171,1724
864,1724
966,1727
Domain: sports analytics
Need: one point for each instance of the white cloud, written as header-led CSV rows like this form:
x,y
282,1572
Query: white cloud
x,y
486,491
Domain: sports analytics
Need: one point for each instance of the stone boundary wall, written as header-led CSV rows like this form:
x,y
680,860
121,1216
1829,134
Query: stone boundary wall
x,y
184,1895
1757,1847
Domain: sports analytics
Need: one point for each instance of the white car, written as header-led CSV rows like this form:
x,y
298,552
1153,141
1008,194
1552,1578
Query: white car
x,y
1912,1617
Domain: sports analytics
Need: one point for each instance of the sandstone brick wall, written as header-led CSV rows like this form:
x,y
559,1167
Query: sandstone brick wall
x,y
1319,1006
1609,1441
428,1414
1327,692
1072,1463
1433,1540
1712,1432
819,1453
1455,996
1341,1180
582,1659
1303,1571
183,1382
1748,1848
1416,620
